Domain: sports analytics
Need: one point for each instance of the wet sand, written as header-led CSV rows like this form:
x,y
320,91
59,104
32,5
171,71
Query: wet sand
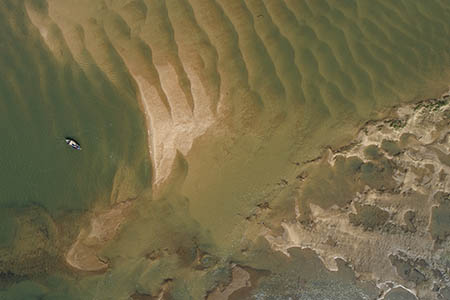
x,y
220,112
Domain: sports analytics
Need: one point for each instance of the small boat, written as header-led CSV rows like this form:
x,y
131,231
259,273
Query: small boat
x,y
72,143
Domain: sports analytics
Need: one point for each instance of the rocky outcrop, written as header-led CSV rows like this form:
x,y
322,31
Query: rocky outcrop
x,y
383,204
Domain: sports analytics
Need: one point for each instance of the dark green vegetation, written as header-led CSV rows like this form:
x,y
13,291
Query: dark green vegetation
x,y
440,222
327,186
390,147
301,276
369,217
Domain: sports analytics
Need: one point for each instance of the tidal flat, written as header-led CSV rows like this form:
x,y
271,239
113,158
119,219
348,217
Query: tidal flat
x,y
259,149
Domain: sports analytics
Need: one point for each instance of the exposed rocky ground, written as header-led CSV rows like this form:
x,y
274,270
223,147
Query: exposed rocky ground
x,y
376,213
382,203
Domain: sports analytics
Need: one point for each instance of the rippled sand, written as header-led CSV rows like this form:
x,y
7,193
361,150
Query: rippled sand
x,y
236,96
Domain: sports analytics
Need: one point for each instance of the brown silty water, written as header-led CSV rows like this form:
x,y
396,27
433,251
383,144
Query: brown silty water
x,y
239,99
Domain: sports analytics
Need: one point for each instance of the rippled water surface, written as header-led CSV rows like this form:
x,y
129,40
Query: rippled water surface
x,y
194,111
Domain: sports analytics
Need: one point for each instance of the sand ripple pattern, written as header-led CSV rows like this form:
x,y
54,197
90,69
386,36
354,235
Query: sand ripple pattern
x,y
194,62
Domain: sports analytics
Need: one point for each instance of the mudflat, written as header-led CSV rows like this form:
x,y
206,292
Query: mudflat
x,y
231,149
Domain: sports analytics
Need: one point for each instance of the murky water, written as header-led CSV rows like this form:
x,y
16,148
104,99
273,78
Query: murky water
x,y
283,79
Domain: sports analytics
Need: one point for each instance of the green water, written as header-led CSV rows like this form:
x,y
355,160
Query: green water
x,y
42,179
318,68
41,102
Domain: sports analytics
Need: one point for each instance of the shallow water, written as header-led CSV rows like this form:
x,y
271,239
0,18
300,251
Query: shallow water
x,y
281,79
42,179
42,101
